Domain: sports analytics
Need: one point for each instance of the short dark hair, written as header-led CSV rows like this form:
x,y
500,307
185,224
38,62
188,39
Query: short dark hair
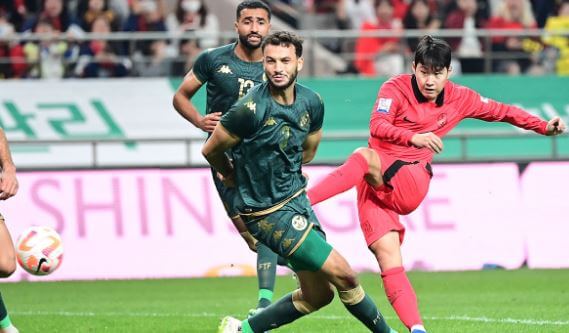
x,y
284,38
252,4
433,53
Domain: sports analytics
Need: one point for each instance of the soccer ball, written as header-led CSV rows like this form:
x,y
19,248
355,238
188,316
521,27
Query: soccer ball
x,y
39,250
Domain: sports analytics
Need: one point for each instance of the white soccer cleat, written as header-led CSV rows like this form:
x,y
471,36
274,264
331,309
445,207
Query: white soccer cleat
x,y
229,325
9,329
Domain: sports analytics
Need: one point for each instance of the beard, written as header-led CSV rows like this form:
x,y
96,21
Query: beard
x,y
245,42
284,86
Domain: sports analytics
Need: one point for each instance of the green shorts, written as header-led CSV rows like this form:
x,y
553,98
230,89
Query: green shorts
x,y
293,232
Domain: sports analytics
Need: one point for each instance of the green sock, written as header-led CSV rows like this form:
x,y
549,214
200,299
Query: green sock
x,y
266,272
265,298
366,311
275,315
4,318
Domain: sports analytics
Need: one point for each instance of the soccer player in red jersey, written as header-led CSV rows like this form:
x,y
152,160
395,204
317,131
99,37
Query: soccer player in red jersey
x,y
410,116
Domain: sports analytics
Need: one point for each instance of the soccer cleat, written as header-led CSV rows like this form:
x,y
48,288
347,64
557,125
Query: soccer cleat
x,y
229,325
9,329
418,329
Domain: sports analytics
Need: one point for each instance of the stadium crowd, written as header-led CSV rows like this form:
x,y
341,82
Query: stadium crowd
x,y
71,55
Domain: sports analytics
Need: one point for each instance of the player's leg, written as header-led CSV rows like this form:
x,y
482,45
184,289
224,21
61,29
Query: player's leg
x,y
266,273
351,293
266,259
7,267
314,293
7,252
398,288
364,163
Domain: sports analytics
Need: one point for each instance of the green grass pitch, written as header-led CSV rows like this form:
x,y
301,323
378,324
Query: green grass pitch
x,y
483,301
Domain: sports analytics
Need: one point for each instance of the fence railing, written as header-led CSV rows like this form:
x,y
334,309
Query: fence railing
x,y
312,37
189,150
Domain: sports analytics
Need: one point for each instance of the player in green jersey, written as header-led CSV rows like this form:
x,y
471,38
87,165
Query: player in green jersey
x,y
272,131
229,72
8,188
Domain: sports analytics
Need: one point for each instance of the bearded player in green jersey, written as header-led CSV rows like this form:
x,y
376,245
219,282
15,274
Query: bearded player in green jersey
x,y
229,72
272,131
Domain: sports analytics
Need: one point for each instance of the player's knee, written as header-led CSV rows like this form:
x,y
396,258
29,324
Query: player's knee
x,y
320,300
348,279
7,266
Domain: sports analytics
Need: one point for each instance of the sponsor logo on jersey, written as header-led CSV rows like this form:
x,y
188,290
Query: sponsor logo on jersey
x,y
383,105
224,69
299,222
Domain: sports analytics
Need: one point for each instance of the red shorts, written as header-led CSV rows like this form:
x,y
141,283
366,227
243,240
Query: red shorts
x,y
405,186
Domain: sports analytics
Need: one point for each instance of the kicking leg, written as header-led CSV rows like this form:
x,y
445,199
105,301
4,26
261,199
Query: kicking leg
x,y
266,271
398,289
364,163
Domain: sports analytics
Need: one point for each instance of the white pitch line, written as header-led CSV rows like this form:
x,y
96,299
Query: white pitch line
x,y
532,322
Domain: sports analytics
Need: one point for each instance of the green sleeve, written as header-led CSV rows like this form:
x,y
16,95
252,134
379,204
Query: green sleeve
x,y
241,119
202,66
316,113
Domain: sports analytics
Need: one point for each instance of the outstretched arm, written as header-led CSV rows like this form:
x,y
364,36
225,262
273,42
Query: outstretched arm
x,y
8,181
214,152
183,104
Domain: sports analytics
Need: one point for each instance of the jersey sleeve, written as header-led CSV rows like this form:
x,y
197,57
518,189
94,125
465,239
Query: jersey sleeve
x,y
387,106
316,113
486,109
202,66
241,118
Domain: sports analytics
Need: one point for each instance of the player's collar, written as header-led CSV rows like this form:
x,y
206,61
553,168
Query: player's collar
x,y
420,98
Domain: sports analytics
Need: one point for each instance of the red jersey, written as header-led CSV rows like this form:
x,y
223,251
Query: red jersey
x,y
400,111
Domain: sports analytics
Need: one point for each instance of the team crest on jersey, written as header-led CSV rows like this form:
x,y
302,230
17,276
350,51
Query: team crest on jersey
x,y
251,106
224,69
304,120
383,105
442,119
299,222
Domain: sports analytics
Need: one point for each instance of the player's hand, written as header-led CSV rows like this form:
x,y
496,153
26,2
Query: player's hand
x,y
555,126
8,184
228,181
208,122
428,140
250,240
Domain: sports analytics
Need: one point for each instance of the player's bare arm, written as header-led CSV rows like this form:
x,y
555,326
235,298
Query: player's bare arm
x,y
310,146
555,126
183,104
214,152
8,181
427,140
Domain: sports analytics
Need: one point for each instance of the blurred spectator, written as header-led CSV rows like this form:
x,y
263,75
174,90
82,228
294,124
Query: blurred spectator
x,y
55,12
101,58
145,16
542,9
380,55
155,64
12,61
422,14
188,50
353,13
88,10
193,15
46,58
556,55
13,12
468,48
512,15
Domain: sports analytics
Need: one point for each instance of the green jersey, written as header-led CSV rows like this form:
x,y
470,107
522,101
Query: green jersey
x,y
268,159
228,78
